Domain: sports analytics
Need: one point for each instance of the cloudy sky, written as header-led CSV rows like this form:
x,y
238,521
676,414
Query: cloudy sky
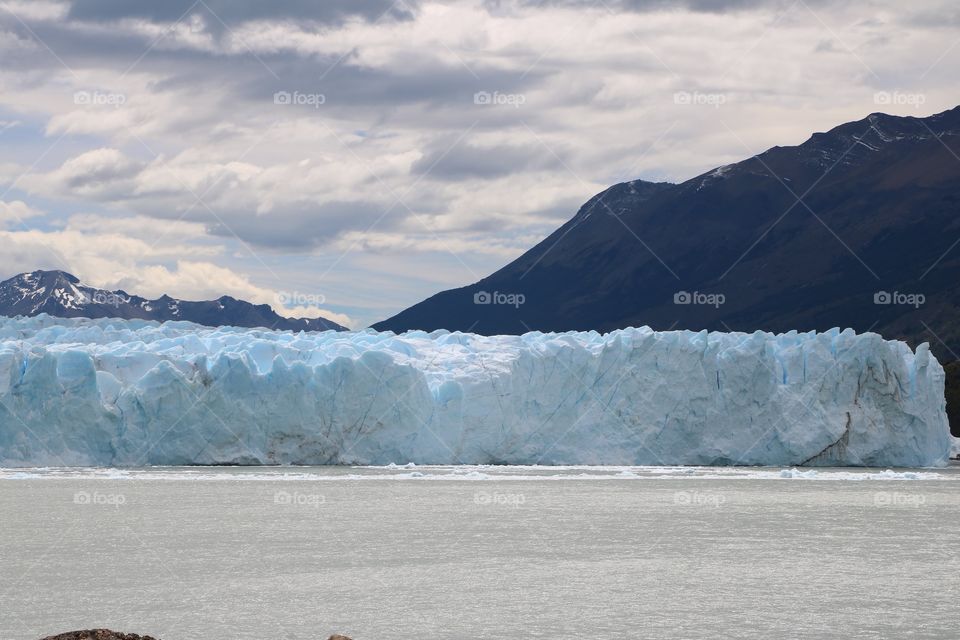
x,y
357,156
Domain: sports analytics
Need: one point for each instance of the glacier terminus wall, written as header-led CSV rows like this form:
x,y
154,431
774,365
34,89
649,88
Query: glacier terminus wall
x,y
131,393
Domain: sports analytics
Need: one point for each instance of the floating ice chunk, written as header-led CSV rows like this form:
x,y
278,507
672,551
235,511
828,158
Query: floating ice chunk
x,y
896,475
796,473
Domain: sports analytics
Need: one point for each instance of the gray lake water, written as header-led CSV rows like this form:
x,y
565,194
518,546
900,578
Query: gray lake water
x,y
504,552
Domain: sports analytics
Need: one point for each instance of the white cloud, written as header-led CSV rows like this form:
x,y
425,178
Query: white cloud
x,y
17,211
316,312
142,256
103,175
36,9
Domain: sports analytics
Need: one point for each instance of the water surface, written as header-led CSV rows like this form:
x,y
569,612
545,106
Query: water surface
x,y
481,552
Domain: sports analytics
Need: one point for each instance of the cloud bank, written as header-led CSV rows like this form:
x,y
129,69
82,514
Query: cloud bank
x,y
371,153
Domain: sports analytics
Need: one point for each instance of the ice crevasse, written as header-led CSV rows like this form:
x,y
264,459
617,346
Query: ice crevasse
x,y
130,393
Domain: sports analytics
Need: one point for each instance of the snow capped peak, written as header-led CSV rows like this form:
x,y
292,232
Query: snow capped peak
x,y
59,293
848,143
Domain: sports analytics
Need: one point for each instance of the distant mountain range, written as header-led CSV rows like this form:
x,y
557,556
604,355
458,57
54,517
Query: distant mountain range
x,y
61,294
855,227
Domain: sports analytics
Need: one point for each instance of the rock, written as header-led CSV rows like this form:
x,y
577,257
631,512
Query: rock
x,y
98,634
106,634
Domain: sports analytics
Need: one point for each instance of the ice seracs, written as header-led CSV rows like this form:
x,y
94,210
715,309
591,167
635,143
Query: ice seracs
x,y
130,393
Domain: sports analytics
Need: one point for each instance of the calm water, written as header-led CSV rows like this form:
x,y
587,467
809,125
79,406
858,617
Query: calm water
x,y
425,553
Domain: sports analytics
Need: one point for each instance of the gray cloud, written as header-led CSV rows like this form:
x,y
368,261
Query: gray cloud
x,y
415,79
301,226
235,11
705,6
447,160
417,82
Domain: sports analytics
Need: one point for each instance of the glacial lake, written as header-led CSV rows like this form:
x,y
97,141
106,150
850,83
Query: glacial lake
x,y
481,552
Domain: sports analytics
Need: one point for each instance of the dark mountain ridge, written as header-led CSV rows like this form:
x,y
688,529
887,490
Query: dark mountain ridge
x,y
853,228
61,294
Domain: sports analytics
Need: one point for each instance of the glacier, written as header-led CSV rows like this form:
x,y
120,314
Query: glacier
x,y
109,392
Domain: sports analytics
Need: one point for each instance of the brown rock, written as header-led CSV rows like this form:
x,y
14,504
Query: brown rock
x,y
98,634
106,634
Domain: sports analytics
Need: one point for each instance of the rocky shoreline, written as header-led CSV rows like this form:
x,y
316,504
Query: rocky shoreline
x,y
98,634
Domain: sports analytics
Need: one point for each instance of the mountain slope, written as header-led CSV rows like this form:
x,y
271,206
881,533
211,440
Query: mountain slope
x,y
61,294
802,237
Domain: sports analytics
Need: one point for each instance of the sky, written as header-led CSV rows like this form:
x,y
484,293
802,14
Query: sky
x,y
349,158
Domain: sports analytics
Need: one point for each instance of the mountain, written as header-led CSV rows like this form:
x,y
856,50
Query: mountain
x,y
855,227
61,294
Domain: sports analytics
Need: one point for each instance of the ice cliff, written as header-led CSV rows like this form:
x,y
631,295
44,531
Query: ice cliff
x,y
115,392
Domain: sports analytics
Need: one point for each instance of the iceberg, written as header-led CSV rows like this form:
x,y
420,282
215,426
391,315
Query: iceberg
x,y
108,392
